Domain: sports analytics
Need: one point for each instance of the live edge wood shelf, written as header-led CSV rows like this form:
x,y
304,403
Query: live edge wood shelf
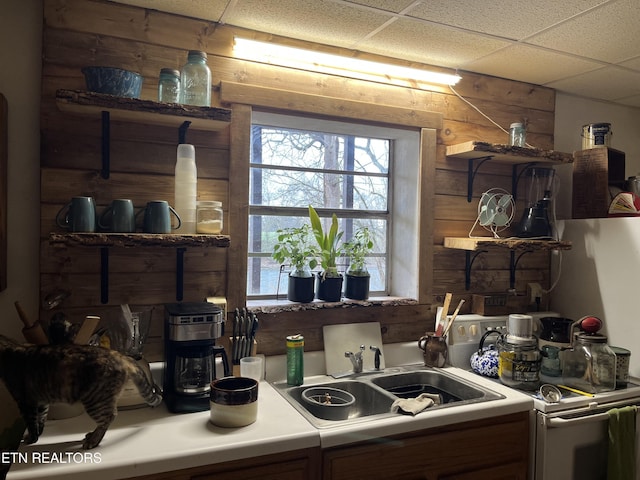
x,y
128,240
110,107
478,246
524,157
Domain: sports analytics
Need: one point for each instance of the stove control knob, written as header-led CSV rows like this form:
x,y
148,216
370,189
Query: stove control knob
x,y
473,330
461,331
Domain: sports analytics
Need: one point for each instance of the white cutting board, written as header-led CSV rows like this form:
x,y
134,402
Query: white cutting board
x,y
339,339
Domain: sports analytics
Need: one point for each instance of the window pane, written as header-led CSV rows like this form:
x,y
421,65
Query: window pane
x,y
336,173
294,188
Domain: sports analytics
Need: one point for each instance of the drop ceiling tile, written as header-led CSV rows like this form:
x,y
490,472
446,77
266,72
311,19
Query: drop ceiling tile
x,y
608,83
633,64
508,19
430,44
530,64
630,101
609,33
395,6
210,10
322,22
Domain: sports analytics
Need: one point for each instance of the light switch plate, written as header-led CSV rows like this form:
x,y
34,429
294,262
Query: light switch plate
x,y
339,339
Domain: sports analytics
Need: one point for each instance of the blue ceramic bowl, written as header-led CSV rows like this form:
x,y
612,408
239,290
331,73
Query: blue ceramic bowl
x,y
113,81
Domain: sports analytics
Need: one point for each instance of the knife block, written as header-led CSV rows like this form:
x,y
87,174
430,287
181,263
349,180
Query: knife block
x,y
228,345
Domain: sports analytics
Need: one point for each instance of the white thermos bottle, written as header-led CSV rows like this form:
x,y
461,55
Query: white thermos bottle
x,y
186,180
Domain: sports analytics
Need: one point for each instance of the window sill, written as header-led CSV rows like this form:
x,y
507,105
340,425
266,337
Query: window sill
x,y
278,306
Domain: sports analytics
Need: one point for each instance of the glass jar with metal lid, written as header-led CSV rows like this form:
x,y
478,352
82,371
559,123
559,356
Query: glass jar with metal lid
x,y
209,217
590,365
519,362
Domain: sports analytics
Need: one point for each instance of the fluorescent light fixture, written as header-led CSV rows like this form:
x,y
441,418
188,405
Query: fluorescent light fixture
x,y
310,60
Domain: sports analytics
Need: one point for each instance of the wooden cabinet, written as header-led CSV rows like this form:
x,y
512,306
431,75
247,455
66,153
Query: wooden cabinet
x,y
295,465
496,448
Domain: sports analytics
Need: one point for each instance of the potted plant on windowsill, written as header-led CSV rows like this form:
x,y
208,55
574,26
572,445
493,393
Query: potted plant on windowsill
x,y
329,281
293,247
357,277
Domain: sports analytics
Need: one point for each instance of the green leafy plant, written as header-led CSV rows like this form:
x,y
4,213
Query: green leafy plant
x,y
327,242
294,247
357,249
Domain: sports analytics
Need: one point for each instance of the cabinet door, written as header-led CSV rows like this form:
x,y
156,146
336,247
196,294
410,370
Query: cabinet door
x,y
295,465
291,470
512,471
473,450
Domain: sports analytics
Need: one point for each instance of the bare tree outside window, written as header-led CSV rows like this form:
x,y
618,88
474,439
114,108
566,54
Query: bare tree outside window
x,y
343,174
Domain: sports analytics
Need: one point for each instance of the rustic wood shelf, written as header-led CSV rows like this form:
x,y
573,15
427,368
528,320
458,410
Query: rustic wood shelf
x,y
477,245
111,107
473,244
137,240
506,153
104,241
142,111
481,152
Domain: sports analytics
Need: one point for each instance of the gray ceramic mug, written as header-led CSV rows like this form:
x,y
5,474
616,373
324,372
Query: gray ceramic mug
x,y
79,215
157,217
119,217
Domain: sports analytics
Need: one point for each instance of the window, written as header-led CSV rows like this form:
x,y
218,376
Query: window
x,y
337,167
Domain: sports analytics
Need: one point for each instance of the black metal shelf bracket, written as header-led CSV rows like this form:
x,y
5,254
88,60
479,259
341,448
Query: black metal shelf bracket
x,y
104,275
180,273
106,144
513,264
467,266
471,173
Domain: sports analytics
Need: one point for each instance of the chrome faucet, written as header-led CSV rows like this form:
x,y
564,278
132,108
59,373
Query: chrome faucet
x,y
356,359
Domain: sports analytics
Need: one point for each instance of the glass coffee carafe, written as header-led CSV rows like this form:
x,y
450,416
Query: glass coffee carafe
x,y
194,370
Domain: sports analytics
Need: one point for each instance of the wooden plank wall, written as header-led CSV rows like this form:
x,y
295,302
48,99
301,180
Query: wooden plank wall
x,y
95,32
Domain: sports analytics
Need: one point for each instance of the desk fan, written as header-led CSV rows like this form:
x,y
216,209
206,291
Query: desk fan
x,y
495,210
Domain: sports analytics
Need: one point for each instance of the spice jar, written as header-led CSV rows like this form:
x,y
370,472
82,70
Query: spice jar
x,y
208,217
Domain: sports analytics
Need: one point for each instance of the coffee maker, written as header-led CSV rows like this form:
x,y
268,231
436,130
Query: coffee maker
x,y
190,333
538,215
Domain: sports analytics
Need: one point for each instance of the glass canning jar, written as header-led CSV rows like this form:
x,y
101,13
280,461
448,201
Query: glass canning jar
x,y
209,217
590,365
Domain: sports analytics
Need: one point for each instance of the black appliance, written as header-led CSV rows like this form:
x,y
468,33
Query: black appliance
x,y
536,221
190,333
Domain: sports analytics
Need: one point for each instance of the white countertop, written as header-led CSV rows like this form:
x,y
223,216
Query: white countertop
x,y
147,441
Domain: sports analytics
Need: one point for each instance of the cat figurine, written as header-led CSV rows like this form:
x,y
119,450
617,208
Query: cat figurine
x,y
37,375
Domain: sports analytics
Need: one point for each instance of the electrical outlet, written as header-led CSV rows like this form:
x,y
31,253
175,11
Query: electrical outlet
x,y
534,291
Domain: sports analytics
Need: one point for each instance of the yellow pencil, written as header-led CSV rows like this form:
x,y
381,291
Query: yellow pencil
x,y
575,390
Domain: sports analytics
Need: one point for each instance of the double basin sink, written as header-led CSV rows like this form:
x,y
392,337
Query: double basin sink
x,y
375,392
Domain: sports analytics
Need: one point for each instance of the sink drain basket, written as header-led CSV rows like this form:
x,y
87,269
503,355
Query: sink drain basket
x,y
328,403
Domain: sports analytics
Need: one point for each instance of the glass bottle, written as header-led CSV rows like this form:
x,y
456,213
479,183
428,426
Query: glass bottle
x,y
195,80
169,86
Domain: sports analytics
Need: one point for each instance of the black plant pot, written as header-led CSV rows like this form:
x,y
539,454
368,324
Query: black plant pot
x,y
356,287
300,289
329,289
